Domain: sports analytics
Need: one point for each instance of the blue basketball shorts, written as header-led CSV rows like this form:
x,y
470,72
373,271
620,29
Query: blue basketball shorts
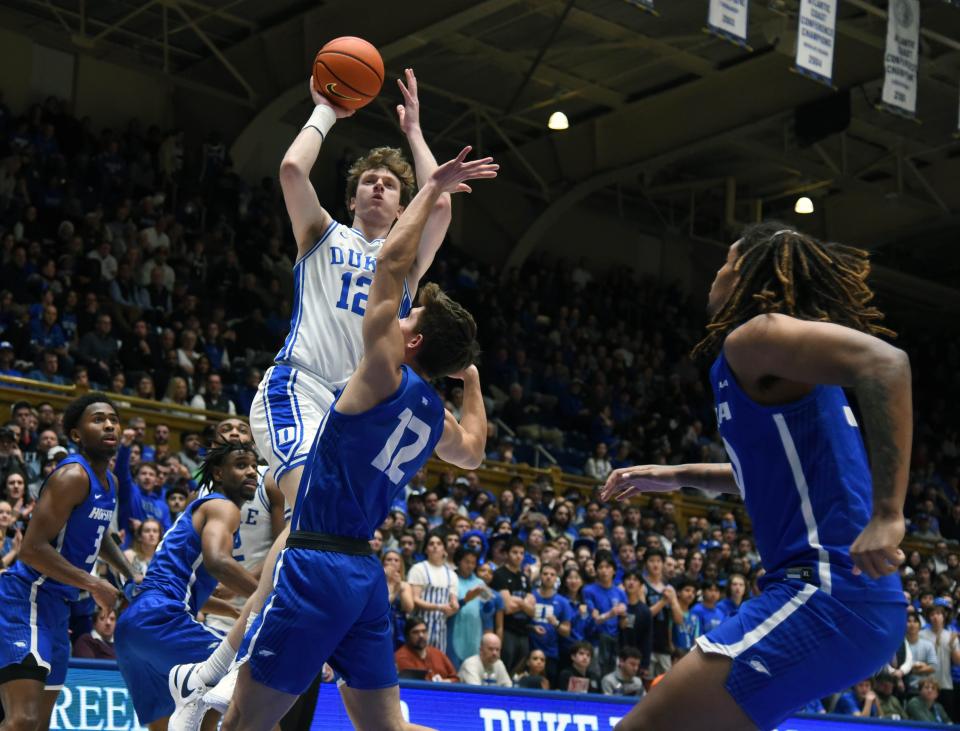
x,y
154,634
325,607
285,416
795,642
34,624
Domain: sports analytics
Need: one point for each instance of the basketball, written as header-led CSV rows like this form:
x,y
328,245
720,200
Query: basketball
x,y
349,72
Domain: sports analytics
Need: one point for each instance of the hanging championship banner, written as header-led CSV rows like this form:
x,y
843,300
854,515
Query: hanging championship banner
x,y
728,19
643,5
902,54
816,35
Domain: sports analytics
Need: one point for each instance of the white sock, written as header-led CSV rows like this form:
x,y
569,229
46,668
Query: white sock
x,y
216,666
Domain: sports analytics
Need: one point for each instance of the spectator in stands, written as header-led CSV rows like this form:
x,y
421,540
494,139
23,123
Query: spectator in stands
x,y
8,360
708,611
888,703
552,619
925,660
21,501
625,680
212,397
578,678
10,537
636,625
598,466
49,370
177,497
945,645
486,667
530,672
399,592
924,707
607,604
518,602
98,644
98,350
472,593
660,597
736,592
420,661
435,589
11,456
46,333
177,395
146,539
860,700
189,454
139,498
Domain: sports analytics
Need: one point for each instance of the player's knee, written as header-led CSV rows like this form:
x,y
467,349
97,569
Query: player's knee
x,y
21,719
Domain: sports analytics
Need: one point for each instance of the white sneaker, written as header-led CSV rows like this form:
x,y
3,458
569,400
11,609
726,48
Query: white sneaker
x,y
218,697
187,691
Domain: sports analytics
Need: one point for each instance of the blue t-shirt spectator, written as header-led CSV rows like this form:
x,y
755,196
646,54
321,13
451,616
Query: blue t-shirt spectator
x,y
848,705
709,618
603,600
686,632
559,607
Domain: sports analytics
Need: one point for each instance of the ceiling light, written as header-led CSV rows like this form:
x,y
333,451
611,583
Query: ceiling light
x,y
803,205
558,120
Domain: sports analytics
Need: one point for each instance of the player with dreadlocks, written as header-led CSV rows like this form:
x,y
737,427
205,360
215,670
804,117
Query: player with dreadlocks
x,y
160,629
790,326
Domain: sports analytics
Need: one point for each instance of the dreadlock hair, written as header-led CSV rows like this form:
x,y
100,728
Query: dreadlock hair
x,y
785,271
217,456
74,411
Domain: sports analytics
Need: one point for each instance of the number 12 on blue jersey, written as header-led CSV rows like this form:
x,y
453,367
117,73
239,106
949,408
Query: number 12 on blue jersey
x,y
359,304
392,467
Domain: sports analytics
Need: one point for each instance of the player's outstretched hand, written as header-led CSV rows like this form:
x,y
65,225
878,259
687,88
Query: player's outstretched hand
x,y
877,549
450,176
319,98
409,112
627,481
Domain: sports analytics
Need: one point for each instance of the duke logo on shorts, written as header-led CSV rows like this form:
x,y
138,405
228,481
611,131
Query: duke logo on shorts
x,y
817,627
324,345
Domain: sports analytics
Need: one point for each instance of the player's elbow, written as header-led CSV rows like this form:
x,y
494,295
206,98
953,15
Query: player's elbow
x,y
291,171
472,457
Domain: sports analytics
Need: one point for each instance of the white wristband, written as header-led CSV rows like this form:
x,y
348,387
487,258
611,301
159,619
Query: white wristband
x,y
321,119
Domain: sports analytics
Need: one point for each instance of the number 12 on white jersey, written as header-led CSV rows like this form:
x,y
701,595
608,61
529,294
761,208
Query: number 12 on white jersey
x,y
391,467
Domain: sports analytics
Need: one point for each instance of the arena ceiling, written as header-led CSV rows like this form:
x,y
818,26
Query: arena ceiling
x,y
684,130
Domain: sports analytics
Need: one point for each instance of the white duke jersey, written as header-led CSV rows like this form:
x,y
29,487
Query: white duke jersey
x,y
256,535
331,284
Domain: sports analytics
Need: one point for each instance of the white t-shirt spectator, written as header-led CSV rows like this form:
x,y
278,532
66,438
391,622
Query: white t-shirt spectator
x,y
598,468
473,672
108,265
922,651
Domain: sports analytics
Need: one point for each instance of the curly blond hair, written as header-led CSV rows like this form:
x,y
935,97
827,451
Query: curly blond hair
x,y
389,158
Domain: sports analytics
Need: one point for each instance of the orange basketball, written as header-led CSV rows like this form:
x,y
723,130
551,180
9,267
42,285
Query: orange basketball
x,y
349,72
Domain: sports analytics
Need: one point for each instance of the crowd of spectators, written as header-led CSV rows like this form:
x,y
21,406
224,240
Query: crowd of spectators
x,y
128,263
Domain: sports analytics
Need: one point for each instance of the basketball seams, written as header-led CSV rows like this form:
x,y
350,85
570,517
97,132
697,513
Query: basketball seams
x,y
379,80
343,83
355,58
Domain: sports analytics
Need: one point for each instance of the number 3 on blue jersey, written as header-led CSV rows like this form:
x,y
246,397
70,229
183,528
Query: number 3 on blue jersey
x,y
359,306
391,467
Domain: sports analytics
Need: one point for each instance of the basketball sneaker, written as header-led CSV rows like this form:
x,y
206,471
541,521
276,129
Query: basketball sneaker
x,y
187,691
